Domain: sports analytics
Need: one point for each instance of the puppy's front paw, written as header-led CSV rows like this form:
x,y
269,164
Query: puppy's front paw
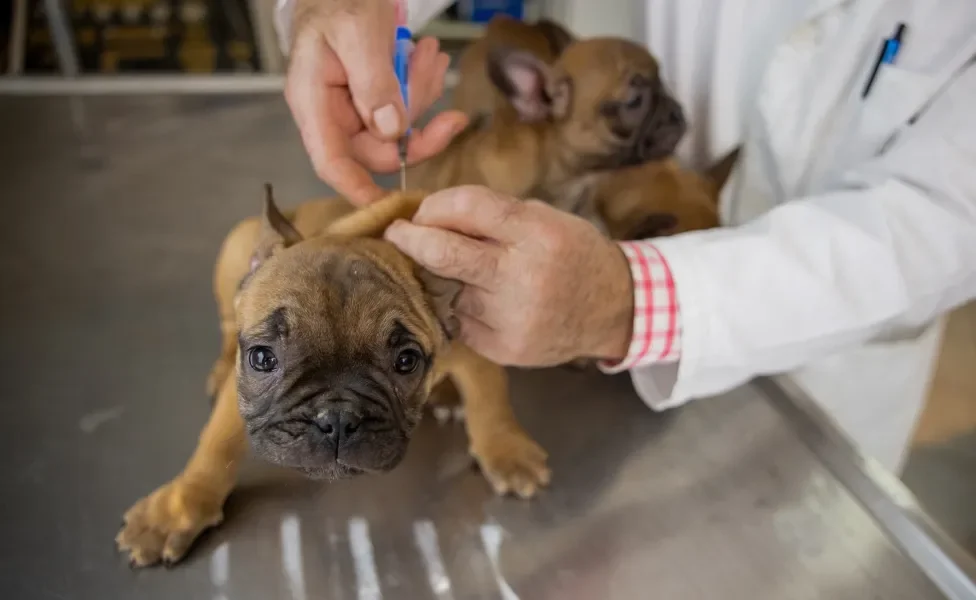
x,y
513,462
163,525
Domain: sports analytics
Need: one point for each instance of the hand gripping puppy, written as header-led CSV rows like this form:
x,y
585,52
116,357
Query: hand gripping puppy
x,y
332,343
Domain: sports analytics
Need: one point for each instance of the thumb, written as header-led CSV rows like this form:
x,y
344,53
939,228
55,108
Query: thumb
x,y
365,49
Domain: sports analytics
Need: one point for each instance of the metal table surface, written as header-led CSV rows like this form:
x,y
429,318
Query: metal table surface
x,y
114,209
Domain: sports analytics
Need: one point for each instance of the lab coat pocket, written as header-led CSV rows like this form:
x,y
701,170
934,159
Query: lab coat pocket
x,y
896,96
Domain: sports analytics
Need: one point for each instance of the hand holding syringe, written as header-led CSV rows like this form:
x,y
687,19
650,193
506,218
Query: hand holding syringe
x,y
343,91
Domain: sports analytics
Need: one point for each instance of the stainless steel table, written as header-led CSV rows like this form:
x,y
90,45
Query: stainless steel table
x,y
113,214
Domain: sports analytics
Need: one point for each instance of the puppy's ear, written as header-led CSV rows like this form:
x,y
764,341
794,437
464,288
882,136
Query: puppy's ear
x,y
531,85
557,35
372,220
277,232
442,295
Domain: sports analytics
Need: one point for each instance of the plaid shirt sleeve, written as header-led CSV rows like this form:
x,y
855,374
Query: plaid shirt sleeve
x,y
657,318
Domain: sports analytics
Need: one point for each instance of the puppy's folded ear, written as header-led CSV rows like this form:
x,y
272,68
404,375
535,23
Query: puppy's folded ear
x,y
277,232
534,89
372,220
442,295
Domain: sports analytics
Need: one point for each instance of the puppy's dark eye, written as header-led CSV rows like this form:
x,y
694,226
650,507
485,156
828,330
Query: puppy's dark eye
x,y
261,358
407,361
634,99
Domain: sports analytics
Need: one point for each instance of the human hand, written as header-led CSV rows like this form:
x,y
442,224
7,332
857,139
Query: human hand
x,y
345,98
542,287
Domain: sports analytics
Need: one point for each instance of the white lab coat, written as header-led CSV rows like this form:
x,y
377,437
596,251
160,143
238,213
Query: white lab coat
x,y
851,231
854,230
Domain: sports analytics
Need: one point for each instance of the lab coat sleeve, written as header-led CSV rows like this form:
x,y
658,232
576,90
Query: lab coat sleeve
x,y
881,257
419,13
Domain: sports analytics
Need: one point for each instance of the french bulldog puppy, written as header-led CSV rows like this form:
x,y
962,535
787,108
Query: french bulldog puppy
x,y
332,342
567,130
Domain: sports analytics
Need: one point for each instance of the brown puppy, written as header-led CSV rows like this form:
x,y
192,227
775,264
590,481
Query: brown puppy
x,y
660,198
332,344
598,108
475,93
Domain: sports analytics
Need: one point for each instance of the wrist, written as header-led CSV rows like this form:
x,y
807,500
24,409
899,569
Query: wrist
x,y
612,324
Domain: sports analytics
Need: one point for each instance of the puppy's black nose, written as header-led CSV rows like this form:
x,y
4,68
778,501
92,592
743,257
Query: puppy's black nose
x,y
338,425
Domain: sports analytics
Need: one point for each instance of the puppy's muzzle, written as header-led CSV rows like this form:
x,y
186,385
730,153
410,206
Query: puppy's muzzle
x,y
662,131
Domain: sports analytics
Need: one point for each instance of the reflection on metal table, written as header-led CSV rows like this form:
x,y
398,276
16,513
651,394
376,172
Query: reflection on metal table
x,y
115,211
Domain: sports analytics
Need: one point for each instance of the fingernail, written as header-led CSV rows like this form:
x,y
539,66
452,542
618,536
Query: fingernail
x,y
387,120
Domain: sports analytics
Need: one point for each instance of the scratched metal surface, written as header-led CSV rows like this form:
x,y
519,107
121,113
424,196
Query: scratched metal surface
x,y
114,209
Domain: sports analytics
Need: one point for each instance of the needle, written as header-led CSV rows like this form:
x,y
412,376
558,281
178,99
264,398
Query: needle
x,y
402,146
401,62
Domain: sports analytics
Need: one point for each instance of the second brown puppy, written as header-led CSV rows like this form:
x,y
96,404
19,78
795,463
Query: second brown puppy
x,y
591,130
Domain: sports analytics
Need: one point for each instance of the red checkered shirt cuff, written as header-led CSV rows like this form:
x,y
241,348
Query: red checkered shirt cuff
x,y
657,320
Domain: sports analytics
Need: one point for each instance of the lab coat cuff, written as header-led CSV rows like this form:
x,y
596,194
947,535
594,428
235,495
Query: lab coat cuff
x,y
678,384
656,334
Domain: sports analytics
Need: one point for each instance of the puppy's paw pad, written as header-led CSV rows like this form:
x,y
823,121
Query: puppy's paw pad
x,y
516,465
163,525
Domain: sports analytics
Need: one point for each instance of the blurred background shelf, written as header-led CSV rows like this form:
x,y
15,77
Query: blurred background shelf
x,y
233,42
452,30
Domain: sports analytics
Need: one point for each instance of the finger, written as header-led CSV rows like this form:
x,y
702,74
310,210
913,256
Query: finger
x,y
350,179
383,157
447,254
475,211
436,136
364,45
428,68
317,107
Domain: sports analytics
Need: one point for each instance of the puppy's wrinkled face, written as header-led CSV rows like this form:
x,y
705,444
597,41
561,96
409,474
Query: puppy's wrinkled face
x,y
337,342
603,97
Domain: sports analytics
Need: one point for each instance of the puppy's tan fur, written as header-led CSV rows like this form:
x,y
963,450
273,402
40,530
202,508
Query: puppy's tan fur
x,y
163,525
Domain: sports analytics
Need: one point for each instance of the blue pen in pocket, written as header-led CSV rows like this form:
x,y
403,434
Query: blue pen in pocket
x,y
889,50
401,66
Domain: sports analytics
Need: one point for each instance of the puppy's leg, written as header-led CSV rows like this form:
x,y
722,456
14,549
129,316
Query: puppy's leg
x,y
163,525
445,402
509,458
